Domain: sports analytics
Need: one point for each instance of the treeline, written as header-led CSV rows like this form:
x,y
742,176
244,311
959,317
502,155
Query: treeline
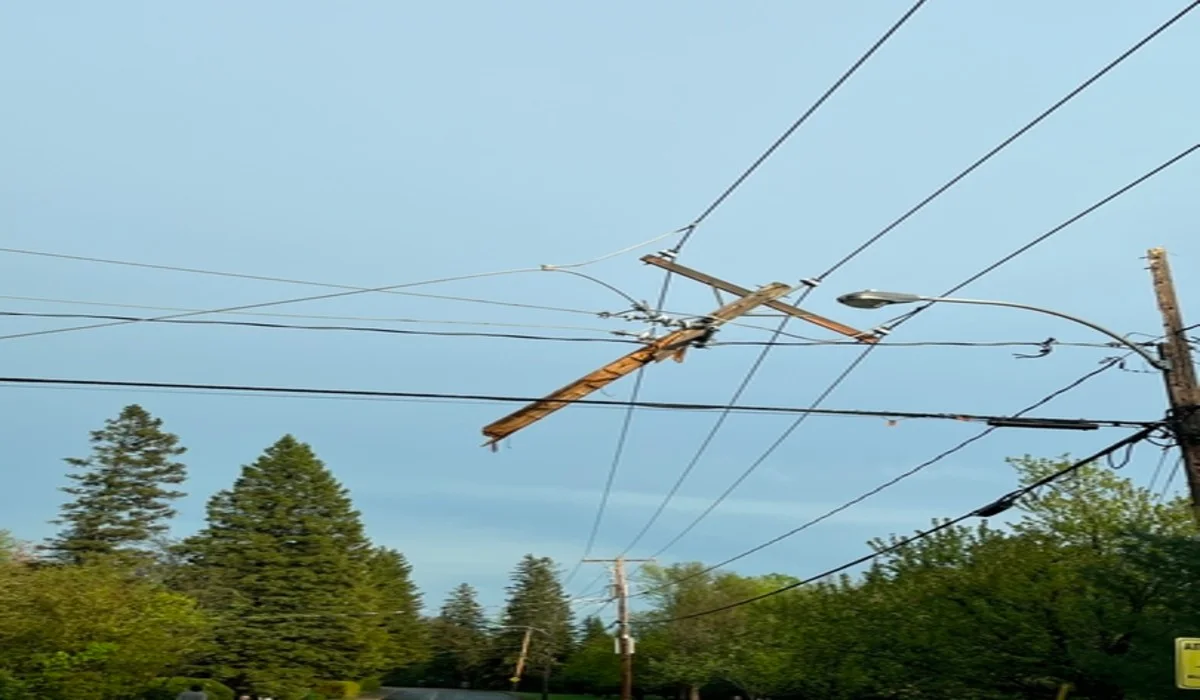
x,y
281,594
1083,593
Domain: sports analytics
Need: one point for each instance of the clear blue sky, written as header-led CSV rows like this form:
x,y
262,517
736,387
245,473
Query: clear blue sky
x,y
377,143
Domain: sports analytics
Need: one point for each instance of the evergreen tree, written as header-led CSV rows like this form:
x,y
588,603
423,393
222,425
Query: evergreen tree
x,y
536,599
460,638
123,495
396,598
287,549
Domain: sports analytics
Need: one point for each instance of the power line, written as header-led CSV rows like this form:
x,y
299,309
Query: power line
x,y
690,229
1066,423
990,510
1009,141
614,465
704,444
533,337
348,290
891,325
895,323
799,122
813,407
1107,365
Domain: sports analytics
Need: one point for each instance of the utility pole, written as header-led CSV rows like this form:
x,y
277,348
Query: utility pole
x,y
516,677
624,640
1180,375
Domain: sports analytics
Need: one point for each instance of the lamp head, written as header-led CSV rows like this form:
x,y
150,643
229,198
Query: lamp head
x,y
874,299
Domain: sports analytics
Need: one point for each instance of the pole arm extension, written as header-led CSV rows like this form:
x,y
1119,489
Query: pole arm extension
x,y
1142,352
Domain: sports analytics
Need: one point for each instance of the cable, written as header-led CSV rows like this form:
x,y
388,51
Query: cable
x,y
523,336
945,187
1008,141
1162,461
1109,364
704,444
614,464
814,406
891,325
1171,479
373,393
691,228
895,323
349,291
990,510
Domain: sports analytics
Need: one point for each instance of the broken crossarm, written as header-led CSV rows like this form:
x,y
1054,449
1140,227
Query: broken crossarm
x,y
673,345
717,283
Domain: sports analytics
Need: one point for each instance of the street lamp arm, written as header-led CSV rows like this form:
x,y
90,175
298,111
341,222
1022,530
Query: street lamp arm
x,y
1145,355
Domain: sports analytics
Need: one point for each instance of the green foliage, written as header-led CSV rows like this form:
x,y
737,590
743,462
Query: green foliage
x,y
459,639
536,599
170,688
404,636
593,667
93,631
370,685
1088,588
122,495
336,690
286,550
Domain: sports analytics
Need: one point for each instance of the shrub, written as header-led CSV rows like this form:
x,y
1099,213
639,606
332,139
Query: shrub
x,y
370,685
170,688
337,690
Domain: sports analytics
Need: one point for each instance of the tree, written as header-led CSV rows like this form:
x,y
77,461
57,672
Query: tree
x,y
536,599
92,630
592,667
692,653
123,494
284,553
396,598
460,638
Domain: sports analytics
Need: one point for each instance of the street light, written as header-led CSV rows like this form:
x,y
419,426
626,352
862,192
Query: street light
x,y
874,299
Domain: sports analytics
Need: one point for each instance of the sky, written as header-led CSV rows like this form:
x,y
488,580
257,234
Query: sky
x,y
383,143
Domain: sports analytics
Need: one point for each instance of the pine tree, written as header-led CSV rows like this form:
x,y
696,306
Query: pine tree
x,y
396,598
287,549
122,497
460,638
536,599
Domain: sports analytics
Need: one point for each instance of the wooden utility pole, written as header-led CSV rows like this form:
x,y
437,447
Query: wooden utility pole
x,y
516,677
1180,374
624,640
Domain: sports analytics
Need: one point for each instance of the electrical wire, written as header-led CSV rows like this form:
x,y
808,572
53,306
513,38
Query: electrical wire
x,y
1107,365
525,336
708,438
1010,140
891,325
1162,461
1171,479
895,323
689,230
990,510
348,291
664,405
614,464
959,177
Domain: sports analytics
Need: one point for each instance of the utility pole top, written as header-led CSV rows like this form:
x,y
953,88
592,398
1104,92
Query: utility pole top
x,y
1182,387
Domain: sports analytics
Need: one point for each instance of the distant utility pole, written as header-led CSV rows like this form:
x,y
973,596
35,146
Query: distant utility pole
x,y
1182,388
624,641
516,677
